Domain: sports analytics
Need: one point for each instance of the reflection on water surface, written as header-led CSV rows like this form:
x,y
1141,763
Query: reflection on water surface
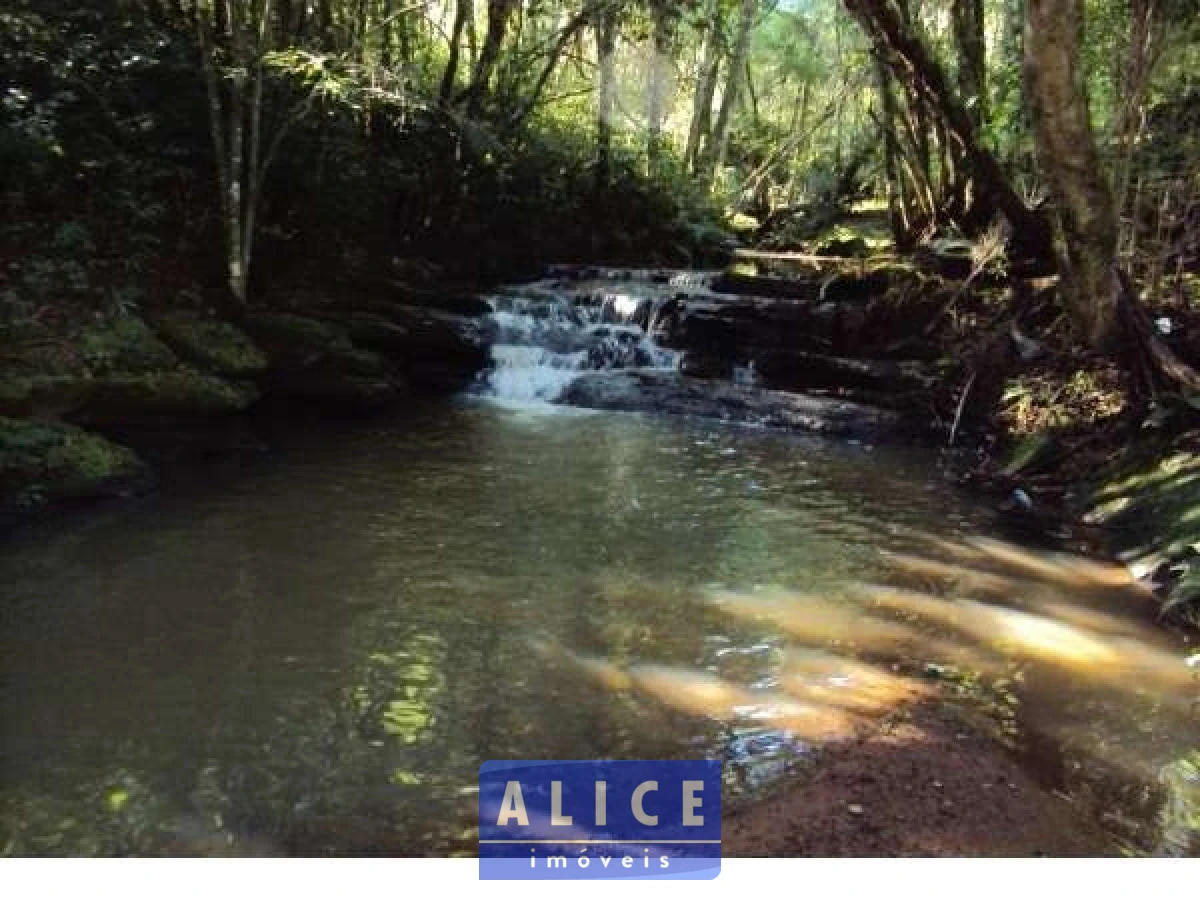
x,y
315,654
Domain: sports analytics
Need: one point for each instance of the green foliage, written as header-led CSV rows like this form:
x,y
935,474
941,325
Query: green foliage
x,y
1157,506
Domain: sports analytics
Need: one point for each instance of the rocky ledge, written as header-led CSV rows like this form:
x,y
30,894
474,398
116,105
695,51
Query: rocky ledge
x,y
184,380
666,392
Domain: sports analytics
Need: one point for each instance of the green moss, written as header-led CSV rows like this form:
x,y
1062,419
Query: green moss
x,y
742,223
178,394
214,345
743,267
44,462
299,343
842,243
124,345
853,239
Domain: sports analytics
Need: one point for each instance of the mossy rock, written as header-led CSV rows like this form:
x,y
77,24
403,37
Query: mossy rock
x,y
357,361
181,394
292,341
43,396
378,334
302,344
125,345
30,348
213,344
44,462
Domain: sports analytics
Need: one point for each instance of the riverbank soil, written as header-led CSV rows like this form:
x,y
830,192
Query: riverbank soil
x,y
931,785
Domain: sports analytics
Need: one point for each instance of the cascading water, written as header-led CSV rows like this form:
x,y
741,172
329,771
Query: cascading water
x,y
545,334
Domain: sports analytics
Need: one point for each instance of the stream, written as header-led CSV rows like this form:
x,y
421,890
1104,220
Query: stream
x,y
312,652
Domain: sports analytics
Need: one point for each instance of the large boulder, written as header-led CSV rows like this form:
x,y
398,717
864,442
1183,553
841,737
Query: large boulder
x,y
124,344
315,363
177,395
435,350
212,344
294,342
43,462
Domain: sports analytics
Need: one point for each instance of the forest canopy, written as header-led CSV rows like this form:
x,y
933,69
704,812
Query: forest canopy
x,y
495,135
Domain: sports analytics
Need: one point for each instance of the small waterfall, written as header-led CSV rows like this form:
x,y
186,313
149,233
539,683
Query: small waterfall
x,y
545,334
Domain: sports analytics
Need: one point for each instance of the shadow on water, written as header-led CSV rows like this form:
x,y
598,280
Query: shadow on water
x,y
314,655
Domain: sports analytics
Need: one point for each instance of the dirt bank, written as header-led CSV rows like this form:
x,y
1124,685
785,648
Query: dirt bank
x,y
930,786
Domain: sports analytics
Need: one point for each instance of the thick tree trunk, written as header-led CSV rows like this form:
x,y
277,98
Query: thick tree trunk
x,y
1068,156
706,86
719,143
499,12
971,43
911,63
446,90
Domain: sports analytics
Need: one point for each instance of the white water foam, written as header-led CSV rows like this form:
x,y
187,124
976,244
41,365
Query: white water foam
x,y
544,337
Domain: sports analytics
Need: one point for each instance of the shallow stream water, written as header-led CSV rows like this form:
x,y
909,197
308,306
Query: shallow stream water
x,y
313,652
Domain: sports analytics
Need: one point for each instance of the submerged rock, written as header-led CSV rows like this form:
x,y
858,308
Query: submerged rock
x,y
43,462
667,392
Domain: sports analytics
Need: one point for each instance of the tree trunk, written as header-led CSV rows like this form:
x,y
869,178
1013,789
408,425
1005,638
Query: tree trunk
x,y
719,143
499,12
446,90
606,99
911,63
1068,156
706,86
1135,69
971,43
898,218
235,101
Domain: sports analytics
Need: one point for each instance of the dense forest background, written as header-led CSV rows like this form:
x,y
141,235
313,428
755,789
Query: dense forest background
x,y
155,146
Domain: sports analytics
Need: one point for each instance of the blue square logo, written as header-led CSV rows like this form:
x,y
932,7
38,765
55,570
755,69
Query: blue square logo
x,y
590,819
